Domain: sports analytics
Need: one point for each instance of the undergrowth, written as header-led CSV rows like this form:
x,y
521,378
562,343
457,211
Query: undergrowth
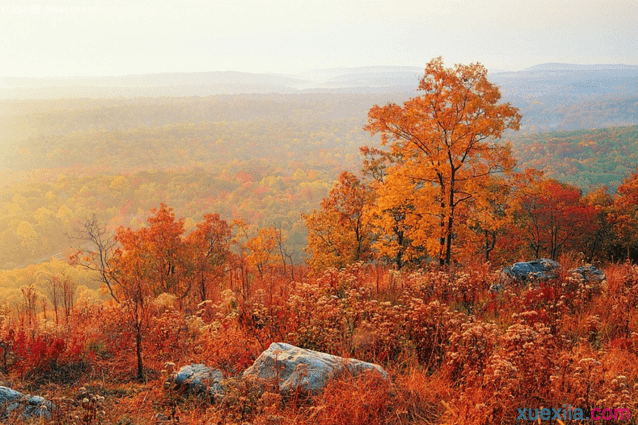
x,y
456,352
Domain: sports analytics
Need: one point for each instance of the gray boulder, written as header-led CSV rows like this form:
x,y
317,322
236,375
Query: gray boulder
x,y
531,271
295,368
543,270
13,402
196,379
588,273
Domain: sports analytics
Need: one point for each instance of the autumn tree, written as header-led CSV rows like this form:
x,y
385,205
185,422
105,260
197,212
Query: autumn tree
x,y
61,291
97,247
487,219
444,142
30,297
55,295
135,288
151,261
285,254
168,255
601,241
624,213
210,250
391,241
389,218
338,233
138,265
553,217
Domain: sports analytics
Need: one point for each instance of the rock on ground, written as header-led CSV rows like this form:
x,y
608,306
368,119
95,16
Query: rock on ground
x,y
531,271
309,371
588,273
197,379
545,269
12,401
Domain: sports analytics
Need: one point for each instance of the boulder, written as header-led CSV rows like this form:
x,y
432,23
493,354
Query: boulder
x,y
542,270
196,379
294,368
531,271
588,273
12,401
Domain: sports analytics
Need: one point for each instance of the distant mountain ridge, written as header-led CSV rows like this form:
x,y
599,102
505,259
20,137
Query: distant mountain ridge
x,y
207,83
556,66
551,96
155,80
533,80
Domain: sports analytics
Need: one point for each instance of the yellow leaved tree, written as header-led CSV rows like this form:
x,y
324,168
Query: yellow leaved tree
x,y
339,233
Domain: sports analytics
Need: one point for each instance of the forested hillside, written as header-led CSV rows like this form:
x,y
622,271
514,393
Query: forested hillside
x,y
584,158
38,219
265,160
92,136
262,158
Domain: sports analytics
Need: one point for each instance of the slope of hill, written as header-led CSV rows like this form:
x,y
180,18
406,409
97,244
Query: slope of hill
x,y
264,159
127,135
581,157
569,97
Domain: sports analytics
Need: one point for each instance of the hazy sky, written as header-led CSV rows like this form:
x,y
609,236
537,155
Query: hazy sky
x,y
68,37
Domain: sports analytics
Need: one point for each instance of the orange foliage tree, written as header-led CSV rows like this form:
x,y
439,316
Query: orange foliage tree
x,y
624,214
444,149
601,242
392,239
339,233
151,261
210,247
139,265
262,250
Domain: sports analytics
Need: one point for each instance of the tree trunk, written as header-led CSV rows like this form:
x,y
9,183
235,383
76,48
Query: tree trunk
x,y
450,224
203,287
138,350
488,248
398,260
442,239
448,252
